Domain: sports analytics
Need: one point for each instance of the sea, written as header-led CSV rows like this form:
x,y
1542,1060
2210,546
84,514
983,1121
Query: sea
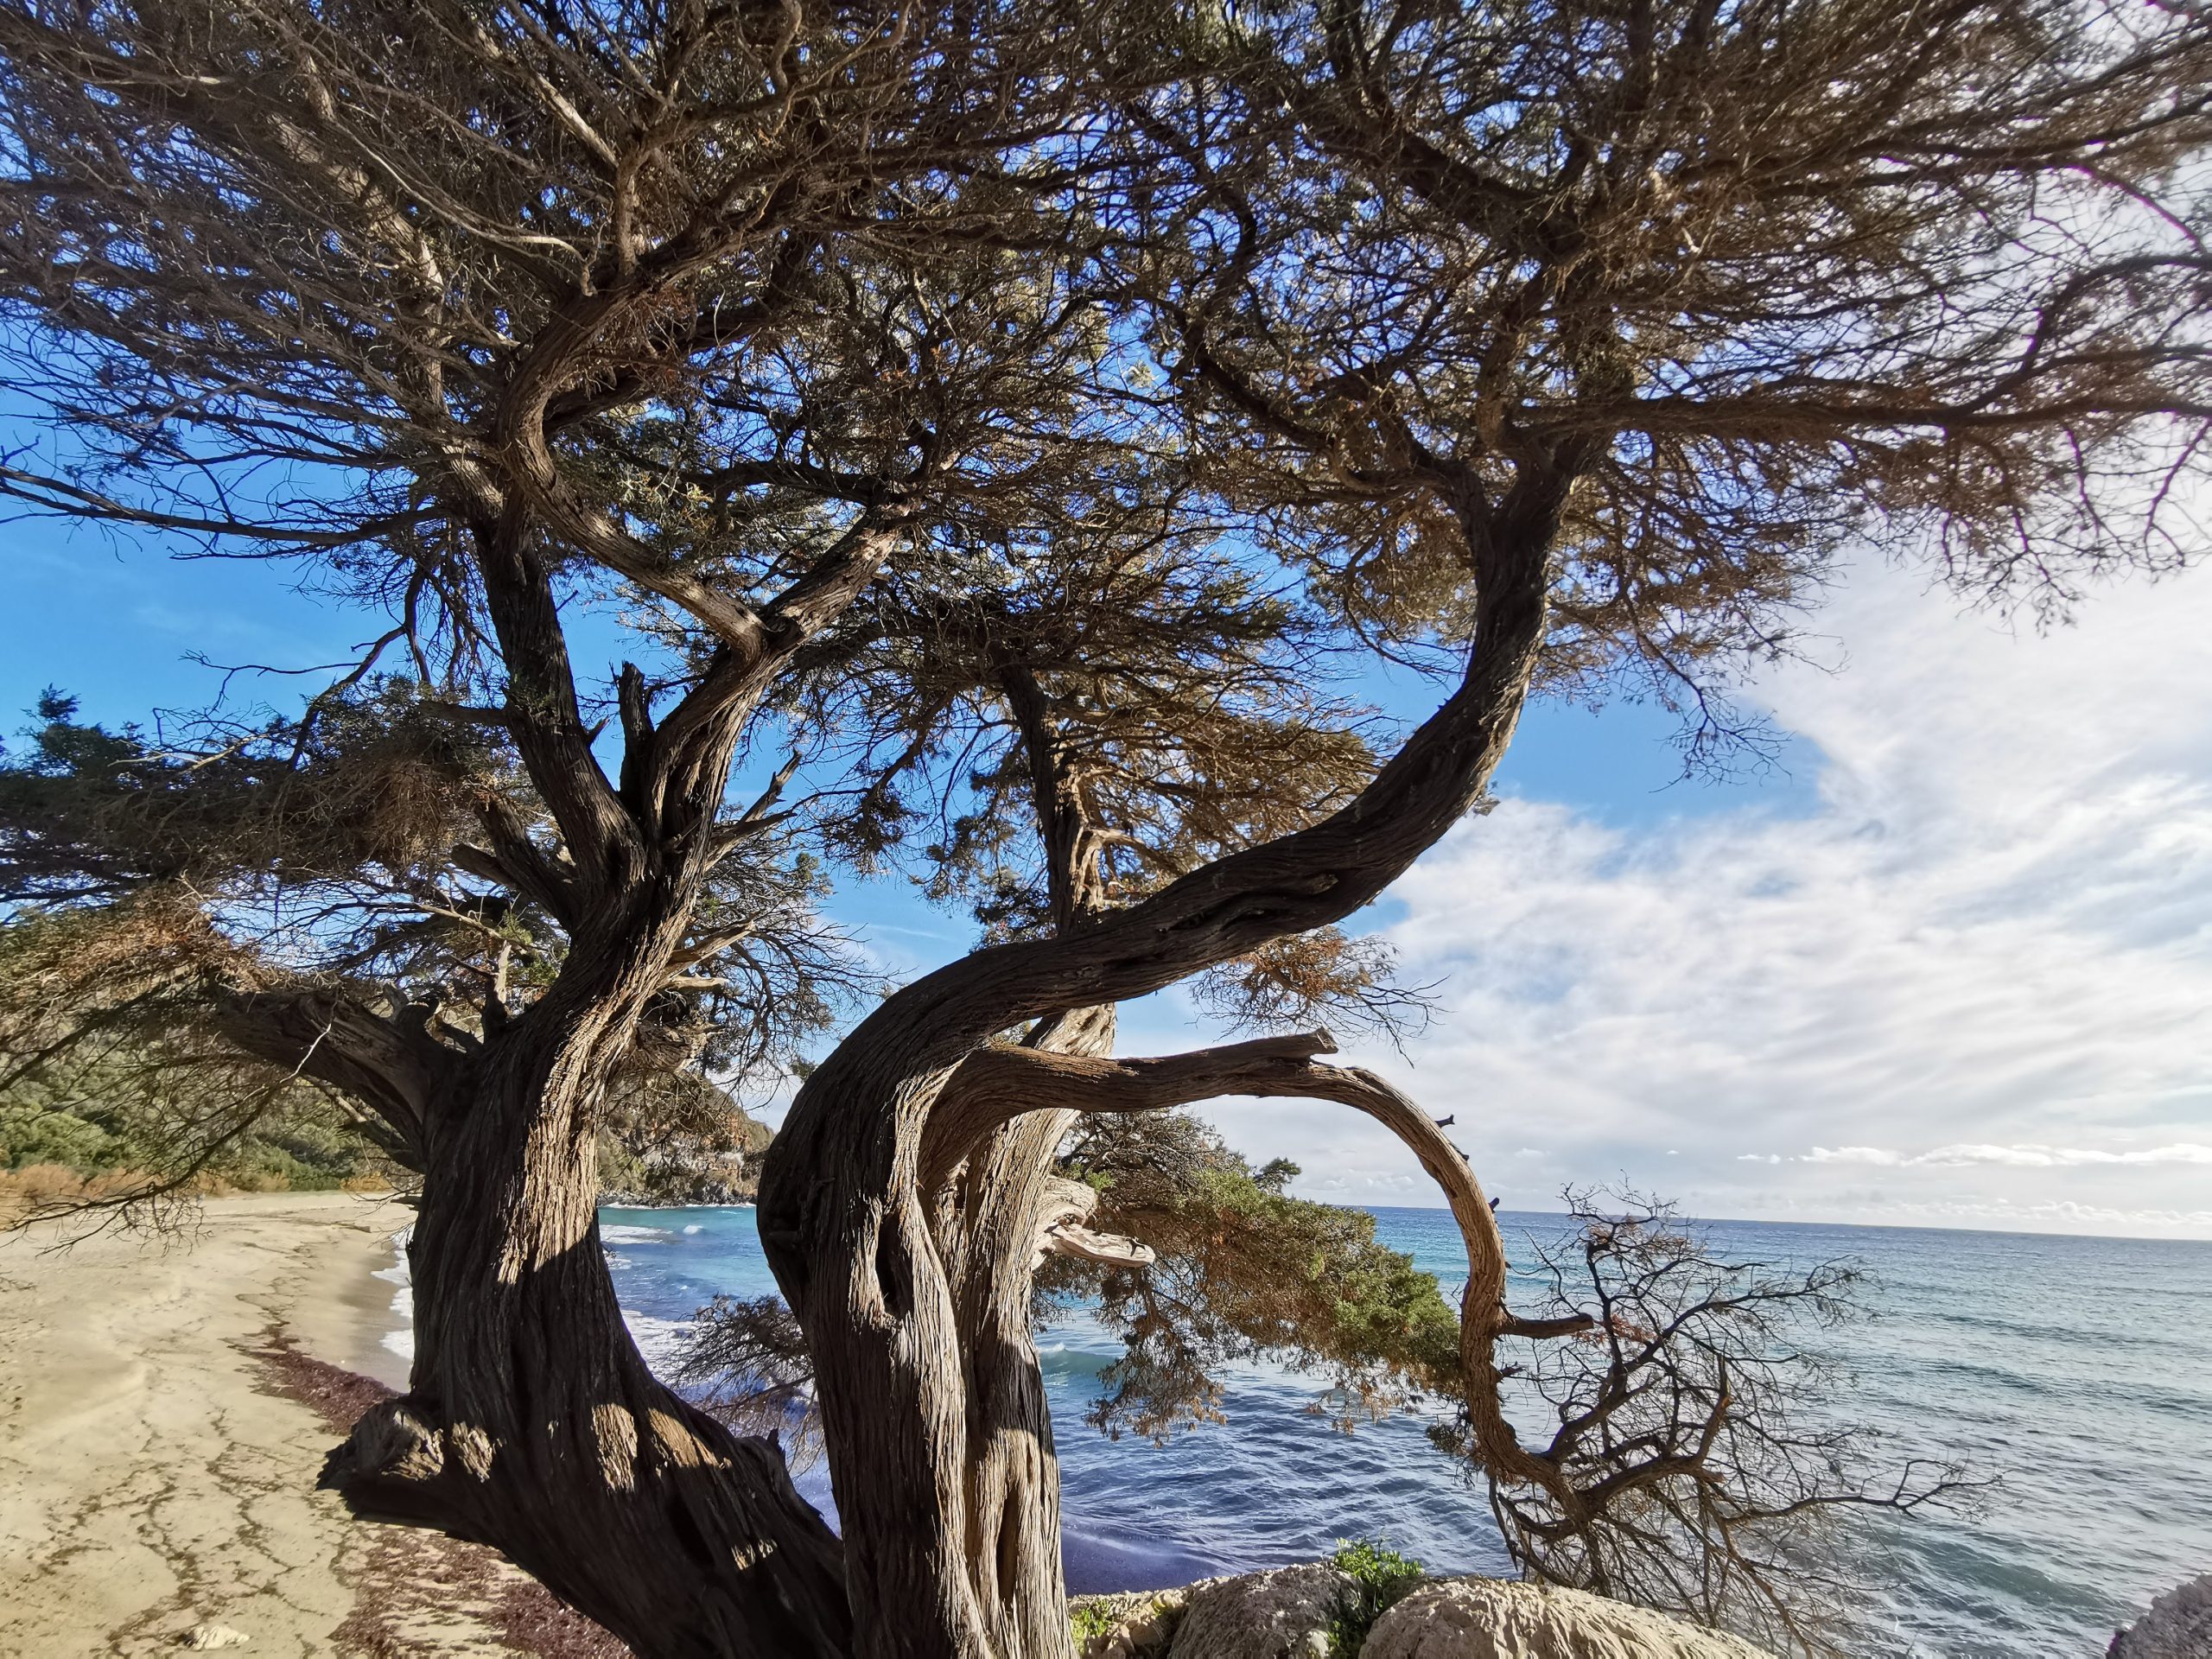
x,y
2077,1373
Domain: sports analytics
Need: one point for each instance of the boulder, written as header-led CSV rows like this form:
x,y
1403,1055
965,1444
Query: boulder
x,y
1495,1618
2178,1626
1284,1614
1136,1624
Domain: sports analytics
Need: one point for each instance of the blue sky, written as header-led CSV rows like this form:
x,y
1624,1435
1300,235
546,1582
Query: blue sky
x,y
1950,964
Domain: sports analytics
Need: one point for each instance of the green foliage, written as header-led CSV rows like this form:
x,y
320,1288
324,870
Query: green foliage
x,y
676,1138
186,917
1089,1620
1146,1619
303,1147
1176,687
371,786
128,1110
1379,1570
29,1134
300,1146
1243,1269
1380,1577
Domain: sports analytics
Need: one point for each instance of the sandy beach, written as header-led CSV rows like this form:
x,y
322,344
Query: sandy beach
x,y
164,1407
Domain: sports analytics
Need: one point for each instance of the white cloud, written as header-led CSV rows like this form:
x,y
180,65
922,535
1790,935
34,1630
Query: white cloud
x,y
1879,1156
1992,935
2029,1157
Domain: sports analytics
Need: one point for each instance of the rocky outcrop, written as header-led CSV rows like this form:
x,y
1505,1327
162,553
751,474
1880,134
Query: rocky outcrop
x,y
1494,1619
1294,1612
2178,1626
1134,1624
1284,1614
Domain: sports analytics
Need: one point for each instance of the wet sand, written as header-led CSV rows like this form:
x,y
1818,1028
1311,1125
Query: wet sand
x,y
158,1457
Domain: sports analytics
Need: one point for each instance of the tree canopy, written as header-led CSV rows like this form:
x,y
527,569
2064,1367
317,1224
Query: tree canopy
x,y
1005,436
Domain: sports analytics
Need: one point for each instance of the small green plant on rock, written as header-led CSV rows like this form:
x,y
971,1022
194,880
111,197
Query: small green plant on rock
x,y
1135,1624
1379,1579
1089,1620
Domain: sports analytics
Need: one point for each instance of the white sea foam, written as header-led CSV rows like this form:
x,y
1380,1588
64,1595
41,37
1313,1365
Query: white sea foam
x,y
396,1272
617,1233
695,1228
658,1339
401,1341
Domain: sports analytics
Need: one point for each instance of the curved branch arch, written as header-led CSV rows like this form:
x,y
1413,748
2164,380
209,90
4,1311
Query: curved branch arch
x,y
998,1085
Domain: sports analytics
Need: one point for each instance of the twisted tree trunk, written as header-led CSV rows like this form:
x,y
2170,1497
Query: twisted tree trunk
x,y
991,1236
846,1213
531,1422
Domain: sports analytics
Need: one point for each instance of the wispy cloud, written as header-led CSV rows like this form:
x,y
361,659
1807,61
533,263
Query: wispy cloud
x,y
1992,936
2025,1157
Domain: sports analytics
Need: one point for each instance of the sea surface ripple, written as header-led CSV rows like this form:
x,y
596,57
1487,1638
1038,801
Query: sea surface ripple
x,y
2076,1370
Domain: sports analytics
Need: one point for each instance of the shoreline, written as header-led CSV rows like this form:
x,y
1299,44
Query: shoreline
x,y
148,1483
165,1407
348,1317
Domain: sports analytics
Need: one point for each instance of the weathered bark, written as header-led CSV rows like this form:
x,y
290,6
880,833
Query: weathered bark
x,y
846,1218
387,1064
994,1212
1011,1483
1014,1084
532,1423
1012,1478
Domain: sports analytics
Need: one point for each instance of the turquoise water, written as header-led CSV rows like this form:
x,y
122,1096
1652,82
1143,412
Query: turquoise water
x,y
2078,1369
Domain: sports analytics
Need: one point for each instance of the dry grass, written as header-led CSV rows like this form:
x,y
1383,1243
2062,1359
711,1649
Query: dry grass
x,y
41,1190
38,1189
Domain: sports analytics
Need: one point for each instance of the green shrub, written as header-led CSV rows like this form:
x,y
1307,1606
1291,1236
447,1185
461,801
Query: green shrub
x,y
1089,1620
126,1120
29,1136
1380,1578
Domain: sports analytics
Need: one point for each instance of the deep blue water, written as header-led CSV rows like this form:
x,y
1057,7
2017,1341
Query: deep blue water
x,y
2078,1369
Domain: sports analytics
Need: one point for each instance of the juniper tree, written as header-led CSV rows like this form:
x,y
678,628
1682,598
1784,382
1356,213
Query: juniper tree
x,y
1548,345
1120,703
1586,339
190,915
458,306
